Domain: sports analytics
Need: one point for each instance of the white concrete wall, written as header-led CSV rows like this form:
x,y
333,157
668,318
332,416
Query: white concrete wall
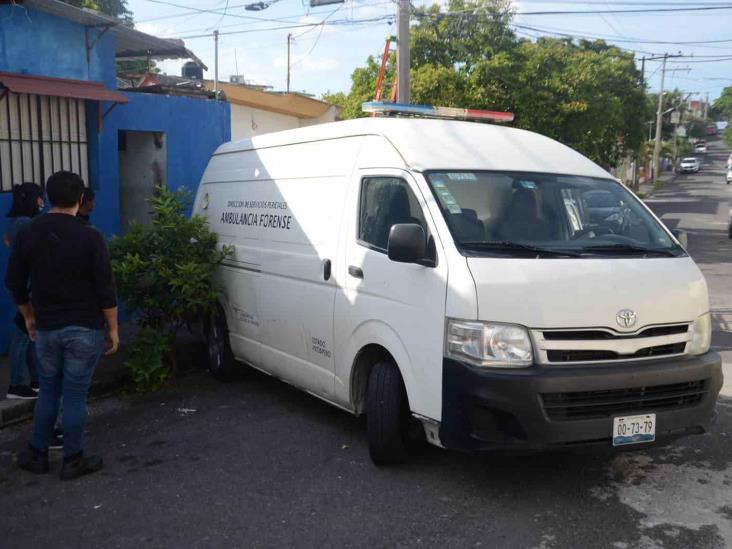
x,y
328,116
247,122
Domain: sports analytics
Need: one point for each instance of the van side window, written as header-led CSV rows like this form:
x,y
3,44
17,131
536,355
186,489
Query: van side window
x,y
386,201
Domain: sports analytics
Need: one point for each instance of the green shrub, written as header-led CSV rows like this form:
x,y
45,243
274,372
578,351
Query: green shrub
x,y
165,274
148,360
640,194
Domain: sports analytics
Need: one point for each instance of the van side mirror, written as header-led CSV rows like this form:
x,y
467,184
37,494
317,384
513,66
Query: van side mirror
x,y
682,237
408,244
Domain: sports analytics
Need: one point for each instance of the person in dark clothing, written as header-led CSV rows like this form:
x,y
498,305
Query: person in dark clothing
x,y
87,204
72,305
27,203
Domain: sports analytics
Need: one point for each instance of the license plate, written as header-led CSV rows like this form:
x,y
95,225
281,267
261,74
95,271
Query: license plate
x,y
634,429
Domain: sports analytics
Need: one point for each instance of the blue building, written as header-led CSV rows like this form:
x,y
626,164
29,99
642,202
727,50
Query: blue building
x,y
60,109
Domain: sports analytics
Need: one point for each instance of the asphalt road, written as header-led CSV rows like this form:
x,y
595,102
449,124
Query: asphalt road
x,y
259,464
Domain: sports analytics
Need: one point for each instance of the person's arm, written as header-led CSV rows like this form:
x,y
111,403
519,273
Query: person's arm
x,y
16,280
105,291
110,315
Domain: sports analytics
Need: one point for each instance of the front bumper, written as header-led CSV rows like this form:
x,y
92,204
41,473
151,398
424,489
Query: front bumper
x,y
486,410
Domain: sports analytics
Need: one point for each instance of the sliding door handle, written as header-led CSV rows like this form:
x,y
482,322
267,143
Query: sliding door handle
x,y
355,272
326,269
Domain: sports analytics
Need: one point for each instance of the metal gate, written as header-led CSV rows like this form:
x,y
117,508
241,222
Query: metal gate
x,y
40,135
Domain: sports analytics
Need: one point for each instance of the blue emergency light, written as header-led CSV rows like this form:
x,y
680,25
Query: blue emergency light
x,y
428,111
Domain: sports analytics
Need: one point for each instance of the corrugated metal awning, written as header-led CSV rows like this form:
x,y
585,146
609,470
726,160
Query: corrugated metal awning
x,y
59,87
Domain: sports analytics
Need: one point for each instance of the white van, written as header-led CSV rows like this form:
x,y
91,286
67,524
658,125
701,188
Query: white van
x,y
488,284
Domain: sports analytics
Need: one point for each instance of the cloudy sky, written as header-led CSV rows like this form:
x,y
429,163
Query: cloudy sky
x,y
254,43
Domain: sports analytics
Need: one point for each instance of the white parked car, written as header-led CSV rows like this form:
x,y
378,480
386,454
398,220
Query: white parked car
x,y
689,165
700,148
447,276
729,175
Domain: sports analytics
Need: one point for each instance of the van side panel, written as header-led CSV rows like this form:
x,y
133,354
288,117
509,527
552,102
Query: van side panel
x,y
281,209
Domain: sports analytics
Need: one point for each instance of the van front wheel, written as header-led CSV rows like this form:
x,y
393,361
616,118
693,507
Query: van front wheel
x,y
221,361
387,415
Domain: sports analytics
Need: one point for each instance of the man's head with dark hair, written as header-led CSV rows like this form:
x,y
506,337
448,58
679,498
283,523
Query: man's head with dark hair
x,y
87,203
27,200
64,189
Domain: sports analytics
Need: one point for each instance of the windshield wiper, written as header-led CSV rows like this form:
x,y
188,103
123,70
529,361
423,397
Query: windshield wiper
x,y
516,247
627,249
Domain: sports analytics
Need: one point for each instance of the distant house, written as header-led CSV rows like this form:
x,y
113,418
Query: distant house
x,y
60,108
255,111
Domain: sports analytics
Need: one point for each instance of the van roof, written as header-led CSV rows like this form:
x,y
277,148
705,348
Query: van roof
x,y
428,144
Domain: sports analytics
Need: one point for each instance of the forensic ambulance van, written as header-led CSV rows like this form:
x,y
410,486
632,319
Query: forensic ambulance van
x,y
486,286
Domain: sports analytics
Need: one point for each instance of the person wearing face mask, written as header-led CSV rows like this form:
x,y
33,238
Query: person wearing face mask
x,y
72,316
27,204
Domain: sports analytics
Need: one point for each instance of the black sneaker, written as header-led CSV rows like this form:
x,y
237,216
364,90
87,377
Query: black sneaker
x,y
35,386
80,465
57,440
33,461
21,392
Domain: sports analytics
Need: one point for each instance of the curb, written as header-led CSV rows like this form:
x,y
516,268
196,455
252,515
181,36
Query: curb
x,y
189,354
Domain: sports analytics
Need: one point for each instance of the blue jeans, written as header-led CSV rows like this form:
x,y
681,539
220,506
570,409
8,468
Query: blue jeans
x,y
22,358
67,358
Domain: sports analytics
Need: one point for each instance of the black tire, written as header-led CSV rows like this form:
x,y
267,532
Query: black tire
x,y
387,415
221,361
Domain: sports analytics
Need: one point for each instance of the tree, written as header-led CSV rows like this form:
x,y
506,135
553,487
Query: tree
x,y
588,95
722,106
165,275
115,8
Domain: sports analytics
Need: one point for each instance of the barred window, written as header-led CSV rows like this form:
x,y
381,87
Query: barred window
x,y
40,135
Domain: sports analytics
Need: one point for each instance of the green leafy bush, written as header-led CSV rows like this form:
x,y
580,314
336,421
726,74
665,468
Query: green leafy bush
x,y
165,274
149,360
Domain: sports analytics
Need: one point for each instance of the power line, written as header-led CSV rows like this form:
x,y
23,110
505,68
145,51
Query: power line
x,y
620,12
283,19
297,26
628,40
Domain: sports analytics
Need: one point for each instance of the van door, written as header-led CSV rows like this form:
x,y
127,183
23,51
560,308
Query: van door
x,y
397,305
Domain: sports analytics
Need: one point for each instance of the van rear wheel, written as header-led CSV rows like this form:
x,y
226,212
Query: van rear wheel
x,y
221,361
387,415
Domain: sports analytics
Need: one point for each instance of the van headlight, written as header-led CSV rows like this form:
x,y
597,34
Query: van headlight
x,y
488,344
701,335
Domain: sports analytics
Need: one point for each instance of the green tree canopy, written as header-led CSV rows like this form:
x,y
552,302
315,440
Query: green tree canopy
x,y
722,106
588,95
115,8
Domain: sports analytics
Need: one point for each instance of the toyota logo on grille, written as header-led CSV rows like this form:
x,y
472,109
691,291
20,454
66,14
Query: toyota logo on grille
x,y
625,318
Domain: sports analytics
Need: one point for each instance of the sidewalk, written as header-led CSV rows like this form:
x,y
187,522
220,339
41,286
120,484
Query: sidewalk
x,y
648,188
111,374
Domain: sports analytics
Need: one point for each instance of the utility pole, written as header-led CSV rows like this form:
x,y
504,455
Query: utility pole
x,y
659,120
403,87
636,159
289,41
216,64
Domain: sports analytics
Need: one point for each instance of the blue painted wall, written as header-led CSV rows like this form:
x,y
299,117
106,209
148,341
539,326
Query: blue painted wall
x,y
193,129
34,42
49,46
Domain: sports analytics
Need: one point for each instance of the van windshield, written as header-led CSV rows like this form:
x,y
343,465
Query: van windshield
x,y
520,214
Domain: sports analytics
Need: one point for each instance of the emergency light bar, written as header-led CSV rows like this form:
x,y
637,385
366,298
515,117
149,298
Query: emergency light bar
x,y
428,111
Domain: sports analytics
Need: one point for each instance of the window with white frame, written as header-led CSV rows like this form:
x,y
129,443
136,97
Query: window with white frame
x,y
40,135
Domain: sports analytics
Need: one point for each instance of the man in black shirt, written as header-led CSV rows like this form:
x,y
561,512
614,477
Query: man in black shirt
x,y
72,305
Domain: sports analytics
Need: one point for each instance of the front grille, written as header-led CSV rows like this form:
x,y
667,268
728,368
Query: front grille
x,y
589,355
610,402
576,335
